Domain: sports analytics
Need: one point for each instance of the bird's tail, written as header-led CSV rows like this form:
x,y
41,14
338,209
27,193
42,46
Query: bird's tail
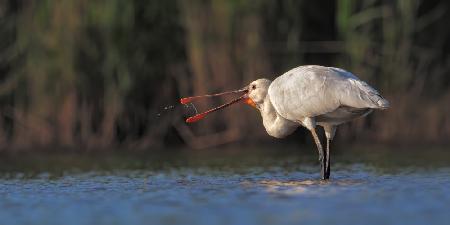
x,y
375,100
382,103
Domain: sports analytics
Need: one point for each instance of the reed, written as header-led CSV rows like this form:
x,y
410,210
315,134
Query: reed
x,y
95,74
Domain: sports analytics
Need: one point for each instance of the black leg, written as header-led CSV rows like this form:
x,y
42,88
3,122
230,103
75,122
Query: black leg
x,y
323,169
327,161
322,155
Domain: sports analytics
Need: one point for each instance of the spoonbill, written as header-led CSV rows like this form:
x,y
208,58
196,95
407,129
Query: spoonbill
x,y
307,96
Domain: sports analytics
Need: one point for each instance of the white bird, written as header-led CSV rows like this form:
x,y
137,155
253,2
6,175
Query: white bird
x,y
308,96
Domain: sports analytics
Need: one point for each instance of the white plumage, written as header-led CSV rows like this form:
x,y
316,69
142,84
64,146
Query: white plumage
x,y
313,95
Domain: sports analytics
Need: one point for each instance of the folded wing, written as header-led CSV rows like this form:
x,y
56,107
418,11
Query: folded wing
x,y
309,91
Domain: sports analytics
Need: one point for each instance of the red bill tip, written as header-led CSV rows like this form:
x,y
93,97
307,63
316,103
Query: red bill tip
x,y
195,118
186,100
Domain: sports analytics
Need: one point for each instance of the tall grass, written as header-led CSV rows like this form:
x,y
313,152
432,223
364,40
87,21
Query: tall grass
x,y
95,74
385,45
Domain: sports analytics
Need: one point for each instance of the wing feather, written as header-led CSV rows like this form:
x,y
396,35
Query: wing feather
x,y
309,91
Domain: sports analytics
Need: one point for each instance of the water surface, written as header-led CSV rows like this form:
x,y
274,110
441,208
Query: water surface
x,y
232,189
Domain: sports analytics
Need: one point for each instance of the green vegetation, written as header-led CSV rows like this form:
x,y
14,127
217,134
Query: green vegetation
x,y
95,74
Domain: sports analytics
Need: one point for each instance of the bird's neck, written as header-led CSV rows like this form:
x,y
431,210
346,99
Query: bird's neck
x,y
275,125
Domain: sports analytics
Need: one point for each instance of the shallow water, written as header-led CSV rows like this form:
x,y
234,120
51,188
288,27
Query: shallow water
x,y
282,190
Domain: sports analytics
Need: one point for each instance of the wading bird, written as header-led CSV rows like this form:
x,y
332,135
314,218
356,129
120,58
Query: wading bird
x,y
308,96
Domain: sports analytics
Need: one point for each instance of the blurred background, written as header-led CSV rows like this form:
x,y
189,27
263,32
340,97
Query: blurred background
x,y
92,131
99,75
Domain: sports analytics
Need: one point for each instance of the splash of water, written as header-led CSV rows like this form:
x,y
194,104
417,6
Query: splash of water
x,y
187,109
193,106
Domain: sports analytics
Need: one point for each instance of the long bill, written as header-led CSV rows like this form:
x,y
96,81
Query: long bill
x,y
191,99
202,115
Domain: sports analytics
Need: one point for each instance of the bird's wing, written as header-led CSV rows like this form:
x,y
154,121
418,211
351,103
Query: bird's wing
x,y
309,91
302,92
357,93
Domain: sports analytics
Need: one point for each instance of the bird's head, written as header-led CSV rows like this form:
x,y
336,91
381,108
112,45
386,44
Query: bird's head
x,y
253,94
257,91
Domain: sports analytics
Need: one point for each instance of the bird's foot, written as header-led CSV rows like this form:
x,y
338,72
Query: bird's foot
x,y
325,176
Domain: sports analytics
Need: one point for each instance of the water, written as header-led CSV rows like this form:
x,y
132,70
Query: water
x,y
187,110
229,188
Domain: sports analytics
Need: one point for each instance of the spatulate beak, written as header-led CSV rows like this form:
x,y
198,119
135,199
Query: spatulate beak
x,y
200,116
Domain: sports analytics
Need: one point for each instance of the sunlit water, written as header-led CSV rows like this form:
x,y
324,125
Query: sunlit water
x,y
280,194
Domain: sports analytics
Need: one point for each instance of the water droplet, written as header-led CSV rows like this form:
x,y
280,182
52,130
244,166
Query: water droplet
x,y
186,110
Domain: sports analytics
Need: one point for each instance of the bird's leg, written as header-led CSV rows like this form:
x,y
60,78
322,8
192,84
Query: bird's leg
x,y
322,156
327,162
330,131
318,144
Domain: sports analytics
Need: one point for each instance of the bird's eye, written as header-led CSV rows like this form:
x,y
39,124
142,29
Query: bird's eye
x,y
253,87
